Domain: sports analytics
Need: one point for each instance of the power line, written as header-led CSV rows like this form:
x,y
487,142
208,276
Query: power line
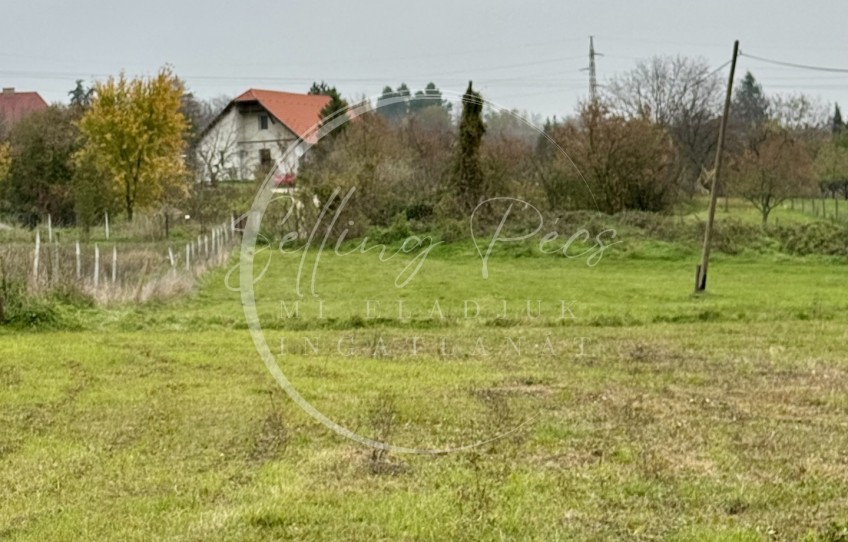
x,y
795,65
297,80
715,71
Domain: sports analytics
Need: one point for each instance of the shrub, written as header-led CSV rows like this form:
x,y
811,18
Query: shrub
x,y
397,231
823,238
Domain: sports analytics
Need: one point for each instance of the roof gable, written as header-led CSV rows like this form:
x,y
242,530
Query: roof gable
x,y
14,106
300,113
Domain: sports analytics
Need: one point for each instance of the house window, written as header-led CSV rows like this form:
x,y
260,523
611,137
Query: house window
x,y
265,157
263,122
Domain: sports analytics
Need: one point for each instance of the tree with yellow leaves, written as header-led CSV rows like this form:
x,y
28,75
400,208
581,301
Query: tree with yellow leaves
x,y
133,138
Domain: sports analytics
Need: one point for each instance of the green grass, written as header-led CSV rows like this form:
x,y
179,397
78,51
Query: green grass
x,y
794,211
713,417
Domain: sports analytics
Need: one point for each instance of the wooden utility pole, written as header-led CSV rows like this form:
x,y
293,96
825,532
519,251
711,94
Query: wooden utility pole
x,y
701,276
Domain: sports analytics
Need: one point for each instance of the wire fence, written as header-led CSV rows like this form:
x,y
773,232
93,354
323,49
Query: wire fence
x,y
834,209
116,272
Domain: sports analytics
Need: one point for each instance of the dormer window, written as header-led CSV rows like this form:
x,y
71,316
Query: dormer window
x,y
263,122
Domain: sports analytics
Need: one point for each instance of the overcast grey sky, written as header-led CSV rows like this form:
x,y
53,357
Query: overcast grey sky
x,y
524,55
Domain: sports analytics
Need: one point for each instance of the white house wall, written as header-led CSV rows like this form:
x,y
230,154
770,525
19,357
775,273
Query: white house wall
x,y
218,151
277,138
232,145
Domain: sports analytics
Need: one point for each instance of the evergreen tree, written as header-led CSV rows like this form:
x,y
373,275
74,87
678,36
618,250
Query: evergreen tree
x,y
838,125
750,105
337,103
81,97
431,96
469,178
404,92
394,104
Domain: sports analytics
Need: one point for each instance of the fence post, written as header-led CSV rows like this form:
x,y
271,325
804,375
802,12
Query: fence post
x,y
35,259
55,276
171,257
114,263
96,266
79,262
107,225
188,257
49,227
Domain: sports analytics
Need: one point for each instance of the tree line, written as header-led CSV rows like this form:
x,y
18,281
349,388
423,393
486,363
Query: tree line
x,y
646,142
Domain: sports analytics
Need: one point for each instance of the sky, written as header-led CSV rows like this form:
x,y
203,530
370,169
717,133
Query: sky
x,y
521,55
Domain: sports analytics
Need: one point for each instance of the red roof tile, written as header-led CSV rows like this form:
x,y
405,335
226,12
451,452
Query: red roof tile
x,y
298,112
14,106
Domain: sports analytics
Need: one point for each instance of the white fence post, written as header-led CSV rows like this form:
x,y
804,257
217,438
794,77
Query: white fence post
x,y
49,227
55,275
96,266
107,225
79,262
171,257
35,259
114,264
188,257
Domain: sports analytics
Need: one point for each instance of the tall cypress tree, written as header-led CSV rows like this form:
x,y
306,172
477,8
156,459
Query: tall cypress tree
x,y
468,171
838,124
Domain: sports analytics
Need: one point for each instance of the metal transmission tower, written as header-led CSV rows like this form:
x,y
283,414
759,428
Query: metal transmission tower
x,y
593,76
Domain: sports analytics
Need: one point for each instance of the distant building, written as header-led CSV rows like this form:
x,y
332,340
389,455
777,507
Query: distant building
x,y
15,106
254,131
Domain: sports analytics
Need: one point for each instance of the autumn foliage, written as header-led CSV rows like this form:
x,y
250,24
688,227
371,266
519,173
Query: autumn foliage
x,y
133,139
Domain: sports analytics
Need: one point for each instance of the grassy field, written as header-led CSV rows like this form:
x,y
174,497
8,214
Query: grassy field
x,y
797,210
646,413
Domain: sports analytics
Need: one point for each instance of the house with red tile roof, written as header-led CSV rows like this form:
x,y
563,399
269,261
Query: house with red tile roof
x,y
255,131
15,106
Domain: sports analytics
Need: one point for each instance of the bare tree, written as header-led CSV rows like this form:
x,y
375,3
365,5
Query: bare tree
x,y
216,153
831,165
626,163
683,96
212,141
804,116
776,168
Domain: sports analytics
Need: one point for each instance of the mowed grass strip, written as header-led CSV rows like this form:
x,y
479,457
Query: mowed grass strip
x,y
714,418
